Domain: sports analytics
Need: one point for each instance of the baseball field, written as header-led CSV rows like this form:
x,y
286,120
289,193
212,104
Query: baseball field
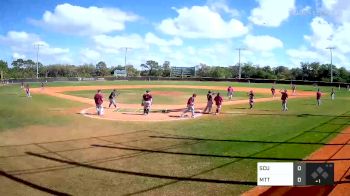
x,y
54,143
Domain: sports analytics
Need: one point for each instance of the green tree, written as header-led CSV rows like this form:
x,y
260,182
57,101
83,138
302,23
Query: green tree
x,y
152,68
132,71
166,69
101,69
3,68
86,70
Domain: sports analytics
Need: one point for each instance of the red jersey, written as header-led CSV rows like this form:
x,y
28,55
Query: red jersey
x,y
284,96
230,89
190,101
318,95
218,100
98,99
251,96
147,97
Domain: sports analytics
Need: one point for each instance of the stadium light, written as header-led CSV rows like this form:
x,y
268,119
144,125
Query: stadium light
x,y
37,59
331,51
239,62
126,51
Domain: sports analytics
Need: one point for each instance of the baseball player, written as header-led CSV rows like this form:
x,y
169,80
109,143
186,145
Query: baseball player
x,y
230,92
22,85
218,102
251,99
273,91
190,106
146,102
284,97
42,85
332,94
27,90
111,98
209,103
99,101
293,89
318,97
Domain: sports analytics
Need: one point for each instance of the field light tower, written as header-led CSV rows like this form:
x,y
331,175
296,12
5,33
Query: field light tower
x,y
126,51
331,51
37,46
239,62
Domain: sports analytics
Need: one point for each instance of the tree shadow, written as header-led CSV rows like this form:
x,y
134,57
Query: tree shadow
x,y
30,184
177,178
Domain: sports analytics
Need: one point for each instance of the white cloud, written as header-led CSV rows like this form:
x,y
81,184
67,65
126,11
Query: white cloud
x,y
262,43
88,55
272,13
303,54
22,44
222,6
153,39
325,34
16,55
201,22
71,19
337,10
113,44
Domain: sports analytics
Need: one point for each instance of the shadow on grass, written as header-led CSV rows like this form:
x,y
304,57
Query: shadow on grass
x,y
246,141
214,155
178,178
30,184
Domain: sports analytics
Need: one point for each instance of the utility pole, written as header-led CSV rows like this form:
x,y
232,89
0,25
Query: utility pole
x,y
331,51
239,62
126,51
37,59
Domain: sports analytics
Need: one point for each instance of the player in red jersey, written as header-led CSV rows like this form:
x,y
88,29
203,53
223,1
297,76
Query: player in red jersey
x,y
27,90
218,102
99,101
230,92
318,97
146,102
273,91
284,97
209,103
251,99
190,106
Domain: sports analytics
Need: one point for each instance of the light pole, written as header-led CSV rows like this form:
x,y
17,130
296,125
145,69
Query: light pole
x,y
126,51
239,62
37,59
331,51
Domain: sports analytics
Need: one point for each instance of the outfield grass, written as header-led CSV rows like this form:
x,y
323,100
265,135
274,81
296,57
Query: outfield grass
x,y
195,83
262,134
160,96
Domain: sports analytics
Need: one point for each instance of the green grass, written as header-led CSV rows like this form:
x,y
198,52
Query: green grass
x,y
16,110
256,134
195,83
160,96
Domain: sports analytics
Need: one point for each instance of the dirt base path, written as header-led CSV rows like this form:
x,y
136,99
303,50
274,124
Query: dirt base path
x,y
339,154
133,112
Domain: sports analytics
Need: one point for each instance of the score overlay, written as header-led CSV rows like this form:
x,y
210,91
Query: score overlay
x,y
294,173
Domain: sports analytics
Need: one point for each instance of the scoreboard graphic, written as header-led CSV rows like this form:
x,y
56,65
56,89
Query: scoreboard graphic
x,y
295,174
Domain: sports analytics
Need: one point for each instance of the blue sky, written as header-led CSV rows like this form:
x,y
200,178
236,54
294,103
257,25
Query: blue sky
x,y
186,33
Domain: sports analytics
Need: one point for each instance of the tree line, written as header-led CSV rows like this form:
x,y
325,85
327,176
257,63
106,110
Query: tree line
x,y
313,71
